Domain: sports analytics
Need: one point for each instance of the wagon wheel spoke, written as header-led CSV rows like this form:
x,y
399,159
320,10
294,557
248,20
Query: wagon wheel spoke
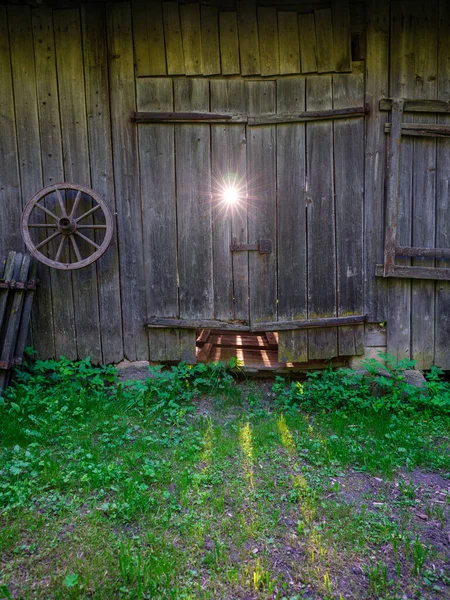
x,y
86,239
92,227
49,239
89,212
41,226
47,212
58,254
75,204
75,247
61,203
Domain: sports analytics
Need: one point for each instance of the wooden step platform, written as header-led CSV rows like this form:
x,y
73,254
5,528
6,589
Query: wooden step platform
x,y
255,351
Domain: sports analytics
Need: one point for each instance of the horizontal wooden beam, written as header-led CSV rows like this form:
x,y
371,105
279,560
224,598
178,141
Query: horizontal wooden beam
x,y
311,115
407,272
259,327
195,324
418,105
186,117
309,323
18,285
423,252
269,119
422,130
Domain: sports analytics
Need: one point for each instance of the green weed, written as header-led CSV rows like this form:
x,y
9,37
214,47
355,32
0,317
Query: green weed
x,y
378,582
419,556
378,389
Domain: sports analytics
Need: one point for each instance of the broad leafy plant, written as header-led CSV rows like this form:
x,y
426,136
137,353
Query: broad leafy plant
x,y
377,388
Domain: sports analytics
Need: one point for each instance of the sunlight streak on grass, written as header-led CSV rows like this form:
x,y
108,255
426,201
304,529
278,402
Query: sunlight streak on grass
x,y
245,441
286,435
207,444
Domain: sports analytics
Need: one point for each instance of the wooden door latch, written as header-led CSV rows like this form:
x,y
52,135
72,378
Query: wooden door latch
x,y
263,246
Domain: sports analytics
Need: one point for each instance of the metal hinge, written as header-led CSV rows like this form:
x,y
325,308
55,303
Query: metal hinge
x,y
263,246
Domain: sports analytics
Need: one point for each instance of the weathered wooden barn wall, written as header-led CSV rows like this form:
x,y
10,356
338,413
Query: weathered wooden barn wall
x,y
70,78
408,53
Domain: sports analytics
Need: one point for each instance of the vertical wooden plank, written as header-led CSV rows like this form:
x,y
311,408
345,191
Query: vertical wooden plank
x,y
324,40
442,314
72,104
348,90
377,87
393,186
47,98
126,179
321,220
248,38
188,346
192,38
10,196
402,86
148,37
308,51
289,48
424,184
229,43
193,203
22,266
159,216
8,343
22,334
7,268
193,172
210,40
24,82
291,222
228,153
140,38
29,152
9,265
56,283
342,42
268,40
174,43
360,22
261,166
102,175
156,43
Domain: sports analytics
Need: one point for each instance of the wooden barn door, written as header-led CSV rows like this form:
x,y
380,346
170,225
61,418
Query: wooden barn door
x,y
305,193
301,199
325,240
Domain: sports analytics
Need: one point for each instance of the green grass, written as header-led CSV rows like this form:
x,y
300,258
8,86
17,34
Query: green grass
x,y
192,485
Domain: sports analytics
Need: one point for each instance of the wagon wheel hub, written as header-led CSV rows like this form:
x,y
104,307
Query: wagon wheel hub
x,y
67,226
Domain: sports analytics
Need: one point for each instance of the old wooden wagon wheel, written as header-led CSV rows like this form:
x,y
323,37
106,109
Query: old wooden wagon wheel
x,y
67,226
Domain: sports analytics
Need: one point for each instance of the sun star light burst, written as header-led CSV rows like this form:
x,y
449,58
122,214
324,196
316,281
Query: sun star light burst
x,y
229,193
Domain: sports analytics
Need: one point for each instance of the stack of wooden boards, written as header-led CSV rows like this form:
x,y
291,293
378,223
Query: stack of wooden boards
x,y
17,286
256,352
193,39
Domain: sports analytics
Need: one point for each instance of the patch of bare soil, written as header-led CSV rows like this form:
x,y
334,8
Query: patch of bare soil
x,y
361,489
419,502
